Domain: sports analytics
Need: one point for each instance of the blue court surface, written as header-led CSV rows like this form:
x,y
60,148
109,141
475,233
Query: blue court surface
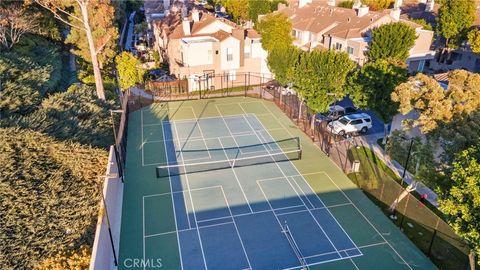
x,y
261,216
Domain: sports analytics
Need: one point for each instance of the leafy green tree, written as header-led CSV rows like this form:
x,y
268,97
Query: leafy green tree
x,y
378,5
461,203
105,33
320,77
75,115
435,105
256,7
391,41
95,45
423,94
371,87
454,17
49,196
15,21
421,159
474,40
346,4
276,31
129,71
237,8
423,23
282,62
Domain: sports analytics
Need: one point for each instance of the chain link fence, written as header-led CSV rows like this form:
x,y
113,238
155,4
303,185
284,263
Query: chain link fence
x,y
424,226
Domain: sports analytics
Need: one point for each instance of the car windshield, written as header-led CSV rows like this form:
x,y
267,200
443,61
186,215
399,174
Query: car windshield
x,y
343,121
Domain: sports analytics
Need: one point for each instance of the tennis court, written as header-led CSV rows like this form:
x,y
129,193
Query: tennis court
x,y
232,184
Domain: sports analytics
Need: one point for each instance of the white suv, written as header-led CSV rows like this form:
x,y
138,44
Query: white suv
x,y
359,122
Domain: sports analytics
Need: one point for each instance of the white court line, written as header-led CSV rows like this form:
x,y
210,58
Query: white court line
x,y
201,133
236,228
173,204
143,228
313,192
141,124
214,225
373,245
281,170
226,156
207,117
193,209
381,235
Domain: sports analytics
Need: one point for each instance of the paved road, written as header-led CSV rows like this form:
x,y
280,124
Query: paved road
x,y
376,122
131,24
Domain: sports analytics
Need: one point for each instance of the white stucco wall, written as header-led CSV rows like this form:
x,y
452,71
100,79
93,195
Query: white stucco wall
x,y
234,45
197,53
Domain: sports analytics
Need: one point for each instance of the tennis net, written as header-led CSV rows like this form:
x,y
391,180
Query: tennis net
x,y
284,145
296,249
179,169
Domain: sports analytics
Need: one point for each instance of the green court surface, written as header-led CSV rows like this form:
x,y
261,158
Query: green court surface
x,y
233,218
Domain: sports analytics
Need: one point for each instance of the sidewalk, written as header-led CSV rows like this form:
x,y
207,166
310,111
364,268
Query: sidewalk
x,y
370,141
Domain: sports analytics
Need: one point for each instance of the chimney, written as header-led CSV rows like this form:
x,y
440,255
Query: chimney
x,y
357,4
429,6
331,3
302,3
166,4
395,14
397,4
195,15
239,34
184,12
186,27
362,11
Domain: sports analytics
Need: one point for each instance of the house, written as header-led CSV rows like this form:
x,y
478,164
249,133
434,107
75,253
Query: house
x,y
201,45
317,24
154,11
460,58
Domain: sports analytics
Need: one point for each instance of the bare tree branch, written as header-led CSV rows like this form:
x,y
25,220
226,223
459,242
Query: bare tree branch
x,y
103,45
14,23
58,16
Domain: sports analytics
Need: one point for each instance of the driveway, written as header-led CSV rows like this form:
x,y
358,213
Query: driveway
x,y
377,124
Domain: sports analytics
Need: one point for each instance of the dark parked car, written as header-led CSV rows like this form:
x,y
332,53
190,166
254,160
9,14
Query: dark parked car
x,y
335,112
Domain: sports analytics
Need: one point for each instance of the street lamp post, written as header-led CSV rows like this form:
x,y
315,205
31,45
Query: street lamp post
x,y
106,215
408,157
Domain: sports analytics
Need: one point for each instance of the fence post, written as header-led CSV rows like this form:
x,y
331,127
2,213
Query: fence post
x,y
431,243
245,83
405,211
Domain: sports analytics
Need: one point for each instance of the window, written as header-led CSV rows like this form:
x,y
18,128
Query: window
x,y
232,75
338,46
229,54
349,50
209,56
368,120
356,122
247,52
